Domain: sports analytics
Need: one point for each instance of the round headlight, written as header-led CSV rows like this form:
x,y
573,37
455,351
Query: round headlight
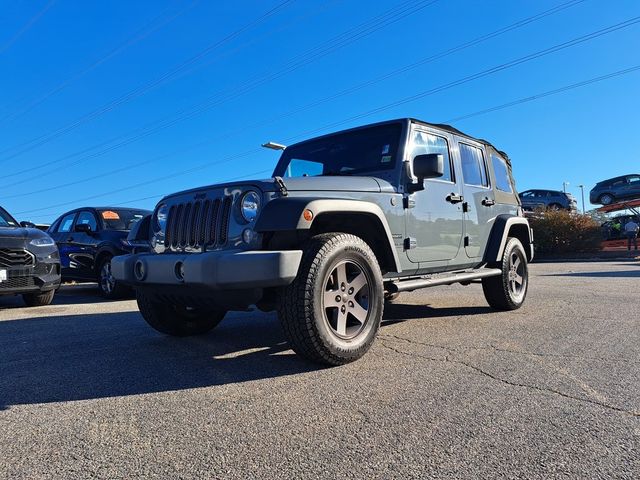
x,y
162,214
249,206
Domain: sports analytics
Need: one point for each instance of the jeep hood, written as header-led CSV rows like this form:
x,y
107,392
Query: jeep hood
x,y
305,184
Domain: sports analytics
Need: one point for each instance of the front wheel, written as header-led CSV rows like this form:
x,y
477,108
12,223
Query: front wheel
x,y
38,299
508,291
332,311
176,320
109,287
606,199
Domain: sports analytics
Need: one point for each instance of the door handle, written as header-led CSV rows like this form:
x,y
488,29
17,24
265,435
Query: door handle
x,y
454,198
487,202
70,239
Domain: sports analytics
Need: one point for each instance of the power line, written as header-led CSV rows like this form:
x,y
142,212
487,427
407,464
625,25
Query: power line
x,y
531,98
391,16
7,45
43,139
332,97
150,27
548,93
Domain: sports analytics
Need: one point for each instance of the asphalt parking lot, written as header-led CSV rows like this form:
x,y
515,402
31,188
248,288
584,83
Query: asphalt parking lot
x,y
451,389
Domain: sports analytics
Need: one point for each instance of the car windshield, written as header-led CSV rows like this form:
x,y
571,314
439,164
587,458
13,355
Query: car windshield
x,y
350,153
117,219
7,220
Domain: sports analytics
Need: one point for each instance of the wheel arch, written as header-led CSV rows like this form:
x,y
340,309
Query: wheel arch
x,y
363,219
103,252
506,226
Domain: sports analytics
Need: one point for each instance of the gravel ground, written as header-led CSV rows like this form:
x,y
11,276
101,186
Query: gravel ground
x,y
451,389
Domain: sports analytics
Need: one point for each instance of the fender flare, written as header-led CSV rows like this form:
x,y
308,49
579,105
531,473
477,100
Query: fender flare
x,y
287,214
500,233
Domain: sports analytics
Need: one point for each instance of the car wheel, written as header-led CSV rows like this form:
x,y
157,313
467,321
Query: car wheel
x,y
109,287
606,199
555,206
332,311
38,299
508,290
177,320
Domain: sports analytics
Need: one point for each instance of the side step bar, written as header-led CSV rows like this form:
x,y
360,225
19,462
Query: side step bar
x,y
446,279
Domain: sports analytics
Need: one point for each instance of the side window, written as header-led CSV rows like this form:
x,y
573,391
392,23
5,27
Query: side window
x,y
66,223
527,194
503,181
474,169
634,180
87,218
426,143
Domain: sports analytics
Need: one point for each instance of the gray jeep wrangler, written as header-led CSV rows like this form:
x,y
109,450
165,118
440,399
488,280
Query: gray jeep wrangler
x,y
348,220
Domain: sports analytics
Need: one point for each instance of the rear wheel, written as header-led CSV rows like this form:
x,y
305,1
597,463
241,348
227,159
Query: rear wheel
x,y
508,291
332,311
38,299
176,320
606,199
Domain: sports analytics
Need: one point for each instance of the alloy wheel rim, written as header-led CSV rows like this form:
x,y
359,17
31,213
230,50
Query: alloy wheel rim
x,y
517,276
107,282
346,300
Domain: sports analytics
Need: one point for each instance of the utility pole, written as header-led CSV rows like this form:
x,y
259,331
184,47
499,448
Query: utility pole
x,y
582,193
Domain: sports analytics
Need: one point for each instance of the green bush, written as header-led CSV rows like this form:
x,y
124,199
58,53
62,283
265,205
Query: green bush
x,y
557,232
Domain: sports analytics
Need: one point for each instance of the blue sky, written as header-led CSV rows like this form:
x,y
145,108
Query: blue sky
x,y
168,92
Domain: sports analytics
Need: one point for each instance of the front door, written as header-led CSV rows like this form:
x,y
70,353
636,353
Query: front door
x,y
434,215
64,237
479,199
85,245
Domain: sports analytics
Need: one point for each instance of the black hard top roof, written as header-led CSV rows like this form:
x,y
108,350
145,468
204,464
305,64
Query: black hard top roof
x,y
440,126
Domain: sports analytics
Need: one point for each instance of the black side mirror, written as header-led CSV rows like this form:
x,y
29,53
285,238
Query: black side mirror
x,y
26,224
429,165
83,228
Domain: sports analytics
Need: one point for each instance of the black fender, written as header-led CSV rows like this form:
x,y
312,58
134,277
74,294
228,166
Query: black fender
x,y
288,214
506,226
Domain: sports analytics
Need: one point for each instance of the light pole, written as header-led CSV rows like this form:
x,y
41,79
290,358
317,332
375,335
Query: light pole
x,y
581,187
564,186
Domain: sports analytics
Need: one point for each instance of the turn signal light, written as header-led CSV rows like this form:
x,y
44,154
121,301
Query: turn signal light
x,y
307,214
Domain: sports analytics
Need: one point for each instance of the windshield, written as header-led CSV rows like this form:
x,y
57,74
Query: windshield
x,y
116,219
351,153
6,220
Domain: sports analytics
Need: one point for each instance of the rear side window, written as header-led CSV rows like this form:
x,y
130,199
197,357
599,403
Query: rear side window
x,y
424,143
66,223
474,168
503,181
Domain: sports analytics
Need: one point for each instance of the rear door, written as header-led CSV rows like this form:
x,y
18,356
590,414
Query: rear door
x,y
632,188
434,219
63,237
479,199
84,245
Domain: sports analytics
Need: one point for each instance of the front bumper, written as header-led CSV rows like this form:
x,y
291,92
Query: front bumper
x,y
41,278
209,271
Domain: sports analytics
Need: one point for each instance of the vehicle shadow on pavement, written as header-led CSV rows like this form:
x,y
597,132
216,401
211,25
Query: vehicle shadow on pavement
x,y
78,357
67,295
400,312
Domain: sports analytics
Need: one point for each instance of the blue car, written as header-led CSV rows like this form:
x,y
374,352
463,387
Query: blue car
x,y
88,238
615,189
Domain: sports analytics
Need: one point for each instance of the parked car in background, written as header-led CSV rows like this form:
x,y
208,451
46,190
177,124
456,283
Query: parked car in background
x,y
614,189
29,262
552,199
88,238
613,229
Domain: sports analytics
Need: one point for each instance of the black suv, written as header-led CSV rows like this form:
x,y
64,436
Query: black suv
x,y
29,262
551,199
614,189
88,238
346,220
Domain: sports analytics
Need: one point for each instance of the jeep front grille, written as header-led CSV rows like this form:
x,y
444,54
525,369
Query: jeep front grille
x,y
15,258
197,224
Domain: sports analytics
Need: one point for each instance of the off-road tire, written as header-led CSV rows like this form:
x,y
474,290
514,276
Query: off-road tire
x,y
38,299
499,291
301,306
117,290
176,320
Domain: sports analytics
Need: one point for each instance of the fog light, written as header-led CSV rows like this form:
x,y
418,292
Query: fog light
x,y
248,235
139,270
179,271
